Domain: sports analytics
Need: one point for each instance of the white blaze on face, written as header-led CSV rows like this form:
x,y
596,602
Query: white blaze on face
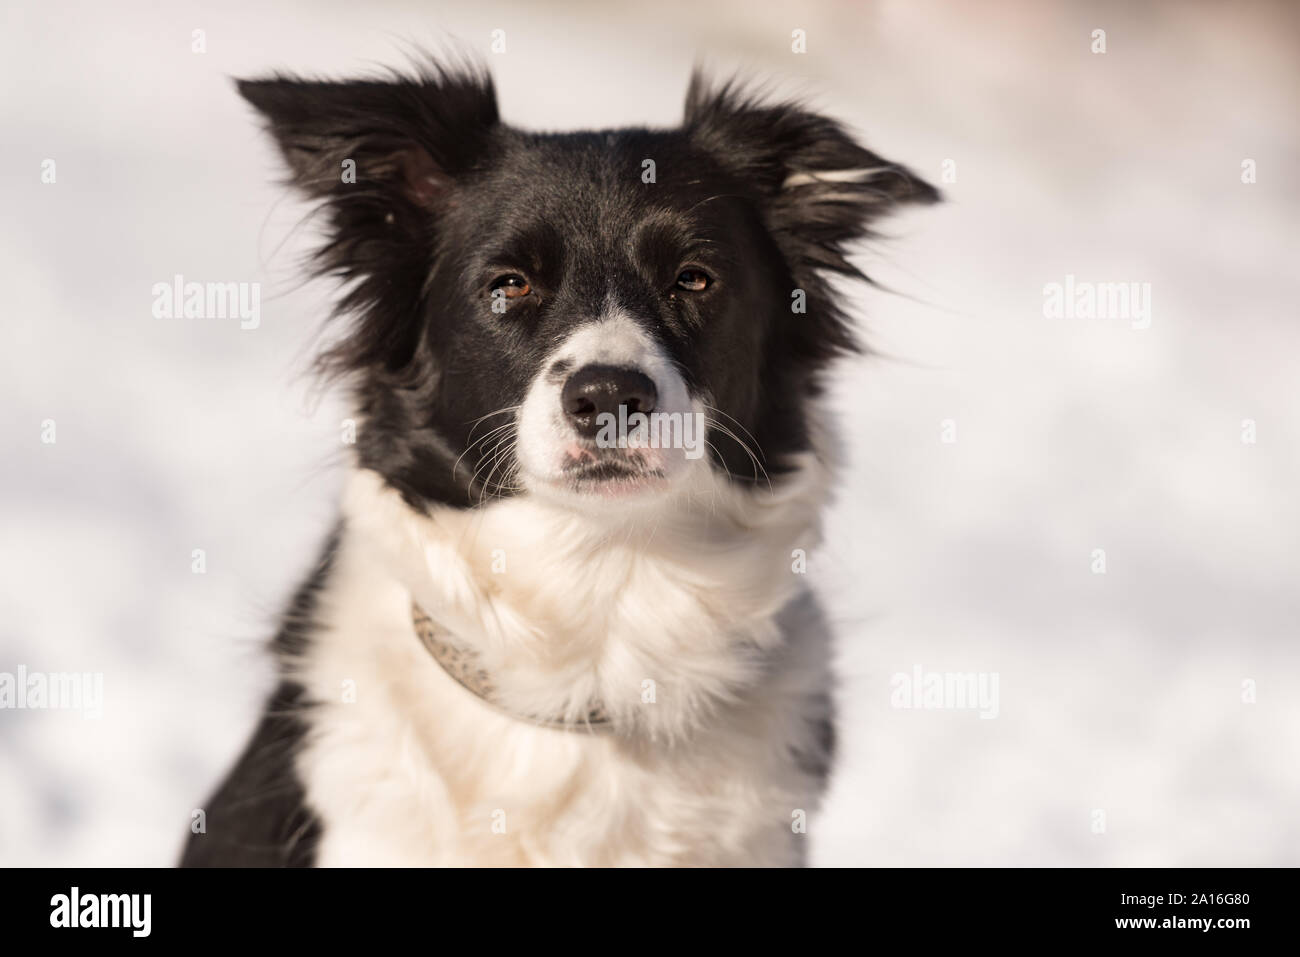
x,y
669,441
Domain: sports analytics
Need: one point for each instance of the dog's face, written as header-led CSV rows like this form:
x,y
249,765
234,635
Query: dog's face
x,y
589,317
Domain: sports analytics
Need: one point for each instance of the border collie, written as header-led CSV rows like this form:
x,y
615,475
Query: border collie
x,y
546,631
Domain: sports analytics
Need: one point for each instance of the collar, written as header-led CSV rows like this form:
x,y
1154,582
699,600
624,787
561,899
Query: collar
x,y
464,667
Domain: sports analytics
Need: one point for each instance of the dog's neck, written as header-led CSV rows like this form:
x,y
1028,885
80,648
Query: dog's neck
x,y
661,617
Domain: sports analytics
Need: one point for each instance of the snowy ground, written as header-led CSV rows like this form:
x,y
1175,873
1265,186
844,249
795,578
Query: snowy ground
x,y
1120,693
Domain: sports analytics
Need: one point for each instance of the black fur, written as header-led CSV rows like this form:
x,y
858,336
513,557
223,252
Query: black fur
x,y
447,197
259,816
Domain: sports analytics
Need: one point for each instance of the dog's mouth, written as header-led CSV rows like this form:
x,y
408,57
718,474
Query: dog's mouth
x,y
609,474
608,416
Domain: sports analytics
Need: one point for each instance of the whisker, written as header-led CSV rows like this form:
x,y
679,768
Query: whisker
x,y
739,425
714,423
471,445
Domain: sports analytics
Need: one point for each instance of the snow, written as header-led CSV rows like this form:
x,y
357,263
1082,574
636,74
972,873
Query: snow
x,y
1120,693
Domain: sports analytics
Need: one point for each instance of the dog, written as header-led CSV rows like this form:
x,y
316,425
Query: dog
x,y
560,621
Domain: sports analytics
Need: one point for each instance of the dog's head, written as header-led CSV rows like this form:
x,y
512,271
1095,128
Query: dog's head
x,y
589,317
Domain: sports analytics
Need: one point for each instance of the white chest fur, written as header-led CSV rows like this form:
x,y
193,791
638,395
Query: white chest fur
x,y
688,634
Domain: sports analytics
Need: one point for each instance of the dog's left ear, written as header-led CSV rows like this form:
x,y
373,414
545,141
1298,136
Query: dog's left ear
x,y
819,188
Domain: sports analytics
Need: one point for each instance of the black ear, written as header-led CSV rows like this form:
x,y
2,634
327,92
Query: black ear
x,y
381,155
406,135
820,188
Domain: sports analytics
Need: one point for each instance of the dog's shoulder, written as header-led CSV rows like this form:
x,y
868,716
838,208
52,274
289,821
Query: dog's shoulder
x,y
258,817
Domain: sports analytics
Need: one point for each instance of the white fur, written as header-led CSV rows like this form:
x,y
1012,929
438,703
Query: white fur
x,y
614,340
418,771
677,611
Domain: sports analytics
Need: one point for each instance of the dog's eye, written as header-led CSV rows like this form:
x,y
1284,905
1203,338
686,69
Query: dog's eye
x,y
510,286
693,280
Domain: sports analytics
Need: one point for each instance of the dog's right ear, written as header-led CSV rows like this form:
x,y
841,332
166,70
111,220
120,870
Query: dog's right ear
x,y
382,156
404,139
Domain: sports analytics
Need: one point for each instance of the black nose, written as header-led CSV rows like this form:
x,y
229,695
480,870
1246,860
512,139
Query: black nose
x,y
594,390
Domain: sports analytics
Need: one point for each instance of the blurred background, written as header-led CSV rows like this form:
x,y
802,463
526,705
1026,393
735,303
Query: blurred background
x,y
1120,693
